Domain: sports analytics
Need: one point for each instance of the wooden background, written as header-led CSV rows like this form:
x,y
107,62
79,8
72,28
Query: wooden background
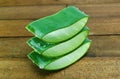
x,y
101,62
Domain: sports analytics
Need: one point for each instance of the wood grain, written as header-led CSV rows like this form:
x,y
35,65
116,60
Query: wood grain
x,y
14,28
101,10
42,2
14,47
104,26
35,12
98,26
102,46
86,68
28,12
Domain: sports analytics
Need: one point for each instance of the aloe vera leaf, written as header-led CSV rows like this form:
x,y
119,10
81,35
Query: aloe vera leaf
x,y
61,19
51,50
68,59
61,62
65,33
39,60
38,45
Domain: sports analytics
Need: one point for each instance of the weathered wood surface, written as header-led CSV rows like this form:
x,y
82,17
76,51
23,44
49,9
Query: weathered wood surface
x,y
86,68
35,12
49,2
102,60
28,12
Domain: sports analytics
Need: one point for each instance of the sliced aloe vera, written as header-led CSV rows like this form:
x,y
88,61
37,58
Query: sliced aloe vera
x,y
38,45
61,62
50,50
60,26
39,60
65,33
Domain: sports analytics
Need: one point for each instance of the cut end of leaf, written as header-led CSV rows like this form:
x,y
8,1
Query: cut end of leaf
x,y
39,60
38,45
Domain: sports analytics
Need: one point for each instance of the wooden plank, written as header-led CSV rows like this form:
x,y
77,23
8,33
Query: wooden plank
x,y
86,68
98,26
13,28
35,12
104,26
41,2
14,47
28,12
102,46
101,10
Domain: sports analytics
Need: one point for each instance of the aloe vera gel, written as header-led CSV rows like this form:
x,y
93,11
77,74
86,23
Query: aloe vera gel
x,y
60,39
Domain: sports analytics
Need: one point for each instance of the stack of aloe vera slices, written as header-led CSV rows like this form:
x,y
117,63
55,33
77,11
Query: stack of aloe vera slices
x,y
60,39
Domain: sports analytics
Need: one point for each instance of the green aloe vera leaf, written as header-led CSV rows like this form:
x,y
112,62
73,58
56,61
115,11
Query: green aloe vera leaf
x,y
62,19
38,45
68,59
52,50
61,62
39,60
65,33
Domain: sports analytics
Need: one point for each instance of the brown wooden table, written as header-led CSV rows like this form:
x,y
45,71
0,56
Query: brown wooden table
x,y
101,62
